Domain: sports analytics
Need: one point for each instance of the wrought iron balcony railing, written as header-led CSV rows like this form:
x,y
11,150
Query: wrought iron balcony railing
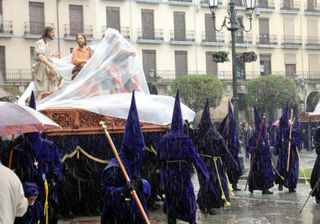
x,y
16,76
212,36
35,29
182,35
125,31
6,27
265,4
292,40
150,34
243,39
267,39
290,4
71,31
313,41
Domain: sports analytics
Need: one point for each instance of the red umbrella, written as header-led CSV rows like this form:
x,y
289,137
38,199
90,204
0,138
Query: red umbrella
x,y
17,119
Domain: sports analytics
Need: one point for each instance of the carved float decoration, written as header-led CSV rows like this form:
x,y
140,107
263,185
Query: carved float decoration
x,y
81,122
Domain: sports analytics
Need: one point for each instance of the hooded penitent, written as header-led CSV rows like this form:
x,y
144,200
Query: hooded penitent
x,y
281,149
315,175
261,176
176,154
211,148
34,159
115,208
228,129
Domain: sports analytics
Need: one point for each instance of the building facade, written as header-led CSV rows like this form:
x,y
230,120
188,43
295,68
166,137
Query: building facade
x,y
172,37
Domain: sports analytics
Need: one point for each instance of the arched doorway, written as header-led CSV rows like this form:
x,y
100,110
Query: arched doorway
x,y
312,101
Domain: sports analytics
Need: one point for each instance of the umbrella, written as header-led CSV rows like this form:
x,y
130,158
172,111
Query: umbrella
x,y
4,93
17,119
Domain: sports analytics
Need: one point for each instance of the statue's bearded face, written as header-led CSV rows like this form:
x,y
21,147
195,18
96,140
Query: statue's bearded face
x,y
81,41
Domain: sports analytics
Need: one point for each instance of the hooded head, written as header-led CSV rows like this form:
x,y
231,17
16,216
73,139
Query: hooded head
x,y
30,189
32,102
205,122
133,141
257,118
284,119
177,121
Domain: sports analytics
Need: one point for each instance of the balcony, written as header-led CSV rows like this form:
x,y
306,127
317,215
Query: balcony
x,y
6,29
312,9
212,38
125,32
149,1
16,76
70,32
150,36
312,43
182,37
290,6
265,5
34,30
243,41
205,3
291,42
267,41
180,2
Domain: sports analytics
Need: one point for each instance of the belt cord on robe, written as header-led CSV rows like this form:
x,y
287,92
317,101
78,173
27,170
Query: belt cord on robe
x,y
46,203
215,158
229,186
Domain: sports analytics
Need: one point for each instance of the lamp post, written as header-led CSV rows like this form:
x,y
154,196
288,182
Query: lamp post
x,y
232,22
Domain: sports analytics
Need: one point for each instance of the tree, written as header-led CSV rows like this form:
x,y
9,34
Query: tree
x,y
272,92
195,89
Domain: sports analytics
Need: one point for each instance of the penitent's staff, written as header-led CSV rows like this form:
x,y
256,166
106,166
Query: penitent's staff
x,y
290,138
124,172
310,194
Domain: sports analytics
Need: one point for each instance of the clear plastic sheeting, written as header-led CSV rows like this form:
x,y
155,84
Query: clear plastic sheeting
x,y
105,83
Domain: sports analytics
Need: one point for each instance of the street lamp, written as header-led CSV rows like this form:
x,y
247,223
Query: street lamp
x,y
232,22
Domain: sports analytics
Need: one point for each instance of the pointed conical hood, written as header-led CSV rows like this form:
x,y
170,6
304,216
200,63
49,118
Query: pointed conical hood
x,y
284,120
177,121
257,118
205,122
32,102
133,141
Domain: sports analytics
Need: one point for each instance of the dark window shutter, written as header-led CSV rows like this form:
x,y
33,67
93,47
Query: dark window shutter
x,y
179,26
264,30
76,19
36,17
147,20
2,63
211,66
181,63
113,18
209,28
149,63
265,64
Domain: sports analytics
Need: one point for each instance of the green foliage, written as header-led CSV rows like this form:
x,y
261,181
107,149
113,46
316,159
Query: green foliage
x,y
195,89
312,101
272,92
247,57
220,56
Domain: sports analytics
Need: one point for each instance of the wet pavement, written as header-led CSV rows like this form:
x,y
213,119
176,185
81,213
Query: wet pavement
x,y
246,208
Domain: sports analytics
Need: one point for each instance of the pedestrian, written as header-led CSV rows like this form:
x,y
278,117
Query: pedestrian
x,y
118,206
12,200
315,175
80,55
45,76
211,147
176,155
287,177
260,175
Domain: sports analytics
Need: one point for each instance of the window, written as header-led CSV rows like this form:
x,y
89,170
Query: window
x,y
288,30
312,31
238,2
211,66
113,18
265,64
181,63
147,21
264,30
313,66
32,56
312,4
209,28
76,19
240,68
263,3
290,65
149,63
36,17
1,17
287,4
2,63
179,26
239,32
